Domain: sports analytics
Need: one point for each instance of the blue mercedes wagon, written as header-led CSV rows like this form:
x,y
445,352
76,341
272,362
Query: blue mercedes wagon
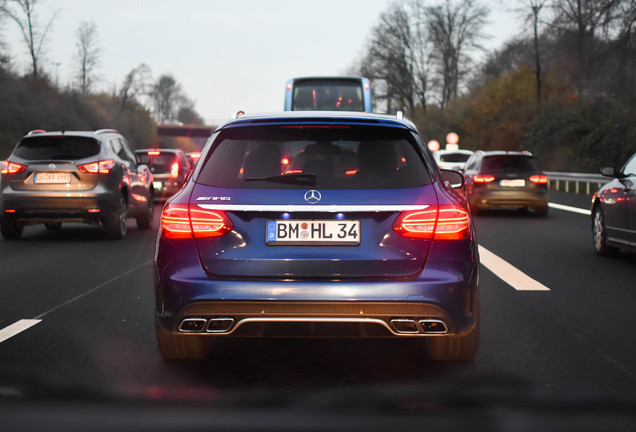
x,y
324,224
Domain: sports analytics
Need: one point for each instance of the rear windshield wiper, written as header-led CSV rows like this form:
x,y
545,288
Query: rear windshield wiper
x,y
297,178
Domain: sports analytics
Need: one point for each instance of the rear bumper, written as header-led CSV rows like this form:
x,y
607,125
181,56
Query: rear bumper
x,y
509,198
444,292
35,207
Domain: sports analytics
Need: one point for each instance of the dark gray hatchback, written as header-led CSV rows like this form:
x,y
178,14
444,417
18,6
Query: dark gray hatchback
x,y
88,177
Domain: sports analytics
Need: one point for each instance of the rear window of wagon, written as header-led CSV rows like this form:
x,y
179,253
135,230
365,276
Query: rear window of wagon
x,y
322,156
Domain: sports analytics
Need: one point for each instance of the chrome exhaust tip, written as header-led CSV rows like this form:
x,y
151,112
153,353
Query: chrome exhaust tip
x,y
403,325
433,326
192,325
219,325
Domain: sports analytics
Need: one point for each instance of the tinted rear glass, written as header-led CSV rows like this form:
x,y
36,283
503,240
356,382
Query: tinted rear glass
x,y
162,163
509,163
293,157
454,157
331,95
57,148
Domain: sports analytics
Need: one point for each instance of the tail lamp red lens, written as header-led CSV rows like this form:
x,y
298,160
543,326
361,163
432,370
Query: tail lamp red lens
x,y
101,167
483,178
539,179
180,221
12,168
445,222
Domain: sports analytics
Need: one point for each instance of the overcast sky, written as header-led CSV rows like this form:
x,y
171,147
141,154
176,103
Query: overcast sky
x,y
227,54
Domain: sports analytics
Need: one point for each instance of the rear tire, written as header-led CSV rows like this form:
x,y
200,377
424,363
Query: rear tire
x,y
182,347
452,348
600,234
10,229
116,224
541,211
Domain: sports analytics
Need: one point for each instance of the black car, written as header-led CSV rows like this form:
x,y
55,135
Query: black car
x,y
169,167
614,211
506,179
89,177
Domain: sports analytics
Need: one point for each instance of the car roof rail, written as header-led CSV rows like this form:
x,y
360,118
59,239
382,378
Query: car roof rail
x,y
103,131
36,131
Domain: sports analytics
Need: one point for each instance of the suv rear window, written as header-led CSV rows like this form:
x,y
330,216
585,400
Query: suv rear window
x,y
162,163
509,163
57,148
298,156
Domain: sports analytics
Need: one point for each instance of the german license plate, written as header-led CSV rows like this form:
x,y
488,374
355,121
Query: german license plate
x,y
52,178
313,232
513,183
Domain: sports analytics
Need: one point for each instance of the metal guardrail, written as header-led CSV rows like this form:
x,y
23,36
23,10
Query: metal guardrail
x,y
587,183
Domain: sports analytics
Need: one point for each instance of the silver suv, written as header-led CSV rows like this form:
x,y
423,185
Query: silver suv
x,y
90,177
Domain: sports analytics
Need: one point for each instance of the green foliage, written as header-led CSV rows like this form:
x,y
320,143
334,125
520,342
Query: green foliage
x,y
33,103
583,136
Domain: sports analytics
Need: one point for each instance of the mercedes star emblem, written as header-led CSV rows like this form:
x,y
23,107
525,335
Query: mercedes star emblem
x,y
312,196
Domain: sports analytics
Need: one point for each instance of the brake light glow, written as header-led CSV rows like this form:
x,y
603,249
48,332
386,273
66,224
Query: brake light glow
x,y
101,167
174,170
180,221
539,179
11,168
483,178
154,153
446,222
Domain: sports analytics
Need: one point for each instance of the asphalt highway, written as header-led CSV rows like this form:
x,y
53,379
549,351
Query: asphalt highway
x,y
76,311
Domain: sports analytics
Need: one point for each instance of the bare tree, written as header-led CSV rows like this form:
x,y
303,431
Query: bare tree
x,y
167,96
454,29
587,19
530,11
22,12
87,55
394,59
137,83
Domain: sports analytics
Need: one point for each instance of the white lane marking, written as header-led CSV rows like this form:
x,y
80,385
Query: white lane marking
x,y
570,209
508,273
103,284
17,327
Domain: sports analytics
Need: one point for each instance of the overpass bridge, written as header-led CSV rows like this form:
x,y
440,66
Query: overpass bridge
x,y
192,131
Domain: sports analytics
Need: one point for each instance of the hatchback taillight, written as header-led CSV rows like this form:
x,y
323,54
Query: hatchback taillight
x,y
445,222
180,221
101,167
483,178
12,168
539,179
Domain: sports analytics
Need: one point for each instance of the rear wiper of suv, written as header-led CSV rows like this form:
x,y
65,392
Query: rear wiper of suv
x,y
298,178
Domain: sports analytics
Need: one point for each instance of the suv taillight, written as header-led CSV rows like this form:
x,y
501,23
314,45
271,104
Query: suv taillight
x,y
180,221
539,179
445,222
11,168
483,178
101,167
